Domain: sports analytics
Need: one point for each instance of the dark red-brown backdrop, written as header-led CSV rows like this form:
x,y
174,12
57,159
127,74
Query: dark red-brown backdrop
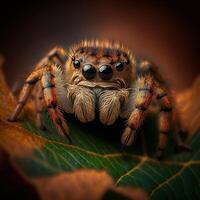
x,y
167,32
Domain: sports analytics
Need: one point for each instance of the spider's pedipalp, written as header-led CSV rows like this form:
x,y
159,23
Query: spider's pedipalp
x,y
110,103
84,104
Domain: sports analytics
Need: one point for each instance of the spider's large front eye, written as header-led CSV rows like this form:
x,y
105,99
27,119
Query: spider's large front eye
x,y
119,66
89,72
105,72
77,64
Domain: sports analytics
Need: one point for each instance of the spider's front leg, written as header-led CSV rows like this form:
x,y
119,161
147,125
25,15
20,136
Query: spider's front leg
x,y
143,97
47,80
49,91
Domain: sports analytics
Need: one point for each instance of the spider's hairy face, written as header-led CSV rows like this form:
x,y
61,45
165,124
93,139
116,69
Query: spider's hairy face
x,y
101,67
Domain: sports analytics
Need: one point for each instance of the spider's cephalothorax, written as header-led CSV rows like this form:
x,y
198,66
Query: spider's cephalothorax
x,y
97,78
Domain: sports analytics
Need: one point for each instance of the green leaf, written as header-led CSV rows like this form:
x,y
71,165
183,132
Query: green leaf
x,y
98,147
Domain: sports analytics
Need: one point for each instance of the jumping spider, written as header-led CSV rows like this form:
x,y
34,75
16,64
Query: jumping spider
x,y
97,76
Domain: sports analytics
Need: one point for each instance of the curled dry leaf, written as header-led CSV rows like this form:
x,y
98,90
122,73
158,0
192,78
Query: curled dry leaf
x,y
188,103
87,184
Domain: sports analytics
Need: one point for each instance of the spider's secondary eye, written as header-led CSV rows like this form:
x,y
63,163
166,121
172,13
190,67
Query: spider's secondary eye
x,y
119,66
77,64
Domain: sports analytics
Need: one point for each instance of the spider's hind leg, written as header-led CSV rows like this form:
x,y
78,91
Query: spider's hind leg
x,y
165,121
39,107
165,117
25,93
57,55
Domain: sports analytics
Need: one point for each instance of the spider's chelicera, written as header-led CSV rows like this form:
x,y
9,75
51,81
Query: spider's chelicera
x,y
125,88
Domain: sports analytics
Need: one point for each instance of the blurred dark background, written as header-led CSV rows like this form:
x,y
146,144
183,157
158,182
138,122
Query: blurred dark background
x,y
167,32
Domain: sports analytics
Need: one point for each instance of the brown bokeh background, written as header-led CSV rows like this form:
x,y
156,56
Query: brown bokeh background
x,y
163,31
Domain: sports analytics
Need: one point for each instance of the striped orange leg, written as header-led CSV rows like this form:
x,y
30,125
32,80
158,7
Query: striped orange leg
x,y
25,92
40,107
49,91
164,118
48,85
143,97
57,55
